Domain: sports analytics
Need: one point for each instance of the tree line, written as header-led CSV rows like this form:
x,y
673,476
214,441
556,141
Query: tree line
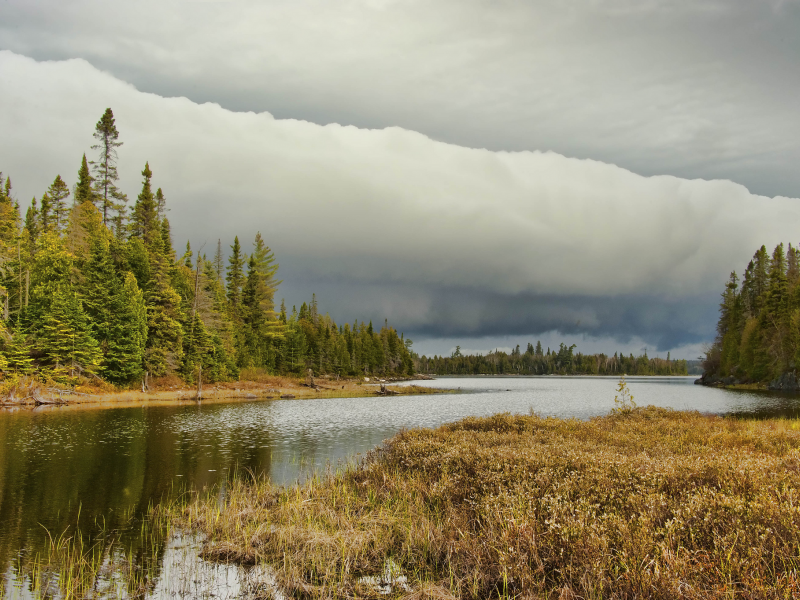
x,y
758,332
94,288
535,361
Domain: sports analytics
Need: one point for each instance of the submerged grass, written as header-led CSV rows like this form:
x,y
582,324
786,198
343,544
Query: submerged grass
x,y
643,503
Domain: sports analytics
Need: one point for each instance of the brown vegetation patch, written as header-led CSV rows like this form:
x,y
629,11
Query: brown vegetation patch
x,y
644,503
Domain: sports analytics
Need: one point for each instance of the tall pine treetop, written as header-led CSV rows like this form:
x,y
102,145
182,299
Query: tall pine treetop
x,y
106,134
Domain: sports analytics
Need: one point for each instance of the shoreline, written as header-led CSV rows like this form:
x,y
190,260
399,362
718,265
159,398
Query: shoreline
x,y
38,395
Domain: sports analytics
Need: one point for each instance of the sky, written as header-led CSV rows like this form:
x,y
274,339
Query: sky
x,y
481,174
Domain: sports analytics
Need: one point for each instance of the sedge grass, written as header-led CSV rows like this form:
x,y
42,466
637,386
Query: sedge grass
x,y
643,503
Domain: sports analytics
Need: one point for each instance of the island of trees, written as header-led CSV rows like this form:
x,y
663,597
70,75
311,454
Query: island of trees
x,y
535,361
94,289
758,333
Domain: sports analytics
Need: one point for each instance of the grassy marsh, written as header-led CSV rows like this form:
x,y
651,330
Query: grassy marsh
x,y
645,502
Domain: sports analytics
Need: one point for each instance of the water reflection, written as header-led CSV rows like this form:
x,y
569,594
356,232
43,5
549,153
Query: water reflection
x,y
98,471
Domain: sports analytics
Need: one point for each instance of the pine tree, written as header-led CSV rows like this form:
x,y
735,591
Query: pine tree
x,y
110,197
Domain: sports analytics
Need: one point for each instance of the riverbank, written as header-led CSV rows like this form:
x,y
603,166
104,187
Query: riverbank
x,y
646,502
31,392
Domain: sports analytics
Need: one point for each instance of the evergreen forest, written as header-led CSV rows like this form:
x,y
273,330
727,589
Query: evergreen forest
x,y
535,361
758,333
93,288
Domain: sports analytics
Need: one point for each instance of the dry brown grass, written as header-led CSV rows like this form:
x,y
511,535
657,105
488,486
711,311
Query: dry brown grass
x,y
643,503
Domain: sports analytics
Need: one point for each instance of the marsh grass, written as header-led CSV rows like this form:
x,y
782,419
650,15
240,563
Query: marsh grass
x,y
643,503
74,566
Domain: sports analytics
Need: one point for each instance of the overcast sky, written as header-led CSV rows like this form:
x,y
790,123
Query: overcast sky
x,y
479,173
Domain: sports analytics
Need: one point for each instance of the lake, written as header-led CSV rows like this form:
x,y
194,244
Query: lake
x,y
100,469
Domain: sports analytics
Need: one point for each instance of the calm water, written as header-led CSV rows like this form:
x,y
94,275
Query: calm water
x,y
101,468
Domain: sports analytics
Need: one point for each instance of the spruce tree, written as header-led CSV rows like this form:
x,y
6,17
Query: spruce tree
x,y
124,356
116,307
57,194
84,189
218,264
110,197
161,204
31,227
164,350
46,213
18,352
166,239
144,222
63,337
235,276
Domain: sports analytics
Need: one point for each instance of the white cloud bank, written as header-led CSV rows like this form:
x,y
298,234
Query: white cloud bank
x,y
440,239
694,88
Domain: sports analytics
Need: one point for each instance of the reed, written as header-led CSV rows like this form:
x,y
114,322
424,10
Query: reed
x,y
642,503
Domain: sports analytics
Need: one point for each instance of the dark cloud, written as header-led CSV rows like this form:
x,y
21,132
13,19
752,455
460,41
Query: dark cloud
x,y
434,312
442,240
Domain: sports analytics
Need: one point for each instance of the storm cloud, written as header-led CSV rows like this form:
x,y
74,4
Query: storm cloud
x,y
444,241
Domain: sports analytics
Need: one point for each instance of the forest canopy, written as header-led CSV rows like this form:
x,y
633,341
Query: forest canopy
x,y
92,287
758,333
536,361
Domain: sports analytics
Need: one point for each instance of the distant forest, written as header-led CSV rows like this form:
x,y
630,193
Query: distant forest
x,y
535,361
93,288
758,333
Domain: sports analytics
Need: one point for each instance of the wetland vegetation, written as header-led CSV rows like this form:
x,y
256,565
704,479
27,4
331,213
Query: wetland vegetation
x,y
642,503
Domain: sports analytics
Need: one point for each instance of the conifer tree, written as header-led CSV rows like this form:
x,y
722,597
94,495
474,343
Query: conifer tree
x,y
46,213
116,307
63,337
110,197
84,189
187,256
218,264
57,194
144,221
18,353
166,240
161,204
31,227
235,276
9,222
164,338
